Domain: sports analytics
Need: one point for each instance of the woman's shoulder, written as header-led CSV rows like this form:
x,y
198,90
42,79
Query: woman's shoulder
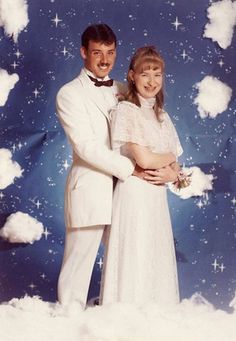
x,y
127,104
125,111
167,120
164,116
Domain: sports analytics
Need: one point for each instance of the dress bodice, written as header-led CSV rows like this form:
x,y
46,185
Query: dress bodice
x,y
140,125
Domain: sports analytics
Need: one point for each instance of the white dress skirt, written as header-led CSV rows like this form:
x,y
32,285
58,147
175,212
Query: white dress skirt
x,y
140,264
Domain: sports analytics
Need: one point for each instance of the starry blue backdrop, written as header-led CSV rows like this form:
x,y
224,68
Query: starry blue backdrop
x,y
47,56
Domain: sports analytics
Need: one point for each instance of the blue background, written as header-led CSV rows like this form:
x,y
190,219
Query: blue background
x,y
204,228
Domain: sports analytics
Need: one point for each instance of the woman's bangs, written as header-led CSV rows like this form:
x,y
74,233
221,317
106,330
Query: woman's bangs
x,y
149,63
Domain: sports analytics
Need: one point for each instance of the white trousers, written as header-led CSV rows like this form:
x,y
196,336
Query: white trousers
x,y
81,247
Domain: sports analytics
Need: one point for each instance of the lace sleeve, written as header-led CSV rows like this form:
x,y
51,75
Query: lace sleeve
x,y
175,142
129,125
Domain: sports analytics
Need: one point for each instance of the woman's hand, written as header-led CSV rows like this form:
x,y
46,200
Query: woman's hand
x,y
162,175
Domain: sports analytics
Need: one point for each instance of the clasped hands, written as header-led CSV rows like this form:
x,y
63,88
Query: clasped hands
x,y
158,176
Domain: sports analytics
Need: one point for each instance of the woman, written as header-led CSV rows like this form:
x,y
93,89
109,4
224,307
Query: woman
x,y
140,263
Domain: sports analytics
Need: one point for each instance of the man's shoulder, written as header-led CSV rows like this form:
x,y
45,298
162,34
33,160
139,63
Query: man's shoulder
x,y
72,88
73,84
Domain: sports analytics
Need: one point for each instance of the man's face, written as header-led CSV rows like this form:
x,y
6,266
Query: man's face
x,y
99,58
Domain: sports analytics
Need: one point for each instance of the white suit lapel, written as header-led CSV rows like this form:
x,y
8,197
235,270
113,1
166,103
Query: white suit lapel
x,y
94,94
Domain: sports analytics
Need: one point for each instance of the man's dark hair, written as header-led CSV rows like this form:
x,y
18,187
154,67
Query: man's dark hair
x,y
99,33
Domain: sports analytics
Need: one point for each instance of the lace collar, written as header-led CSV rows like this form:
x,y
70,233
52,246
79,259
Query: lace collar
x,y
147,102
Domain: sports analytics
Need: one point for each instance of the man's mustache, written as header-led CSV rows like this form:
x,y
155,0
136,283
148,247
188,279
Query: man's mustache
x,y
104,64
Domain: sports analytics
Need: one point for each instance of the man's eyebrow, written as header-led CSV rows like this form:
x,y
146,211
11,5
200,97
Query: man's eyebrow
x,y
98,50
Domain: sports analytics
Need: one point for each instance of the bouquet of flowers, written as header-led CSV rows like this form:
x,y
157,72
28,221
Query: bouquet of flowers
x,y
183,180
191,182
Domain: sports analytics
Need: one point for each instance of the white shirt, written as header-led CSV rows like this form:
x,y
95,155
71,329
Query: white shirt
x,y
105,91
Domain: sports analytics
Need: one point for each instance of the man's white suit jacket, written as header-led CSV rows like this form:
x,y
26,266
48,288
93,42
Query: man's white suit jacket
x,y
84,116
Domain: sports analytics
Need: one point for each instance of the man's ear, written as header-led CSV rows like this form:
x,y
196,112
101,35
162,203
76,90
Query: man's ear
x,y
83,52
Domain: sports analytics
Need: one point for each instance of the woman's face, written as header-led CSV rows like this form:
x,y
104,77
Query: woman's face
x,y
148,82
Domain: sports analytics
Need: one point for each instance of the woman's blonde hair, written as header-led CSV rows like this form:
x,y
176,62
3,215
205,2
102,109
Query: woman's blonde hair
x,y
145,58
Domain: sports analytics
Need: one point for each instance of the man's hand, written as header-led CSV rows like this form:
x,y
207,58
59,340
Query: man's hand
x,y
162,175
139,172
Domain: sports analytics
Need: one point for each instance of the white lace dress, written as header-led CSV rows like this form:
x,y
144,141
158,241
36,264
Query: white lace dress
x,y
140,265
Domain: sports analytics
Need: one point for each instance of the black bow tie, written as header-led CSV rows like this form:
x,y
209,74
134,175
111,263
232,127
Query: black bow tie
x,y
109,82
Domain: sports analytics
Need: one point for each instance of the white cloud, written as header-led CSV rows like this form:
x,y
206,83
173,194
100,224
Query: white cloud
x,y
222,16
9,170
213,97
13,16
7,82
200,183
21,228
194,319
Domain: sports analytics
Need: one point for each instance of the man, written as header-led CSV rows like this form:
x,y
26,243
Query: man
x,y
83,107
